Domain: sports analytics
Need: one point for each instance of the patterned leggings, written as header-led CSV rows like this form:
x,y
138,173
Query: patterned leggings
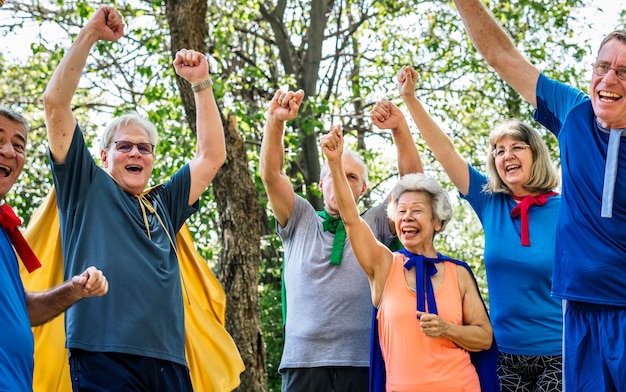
x,y
529,373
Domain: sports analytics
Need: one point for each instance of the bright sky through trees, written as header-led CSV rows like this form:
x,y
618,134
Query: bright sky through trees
x,y
593,21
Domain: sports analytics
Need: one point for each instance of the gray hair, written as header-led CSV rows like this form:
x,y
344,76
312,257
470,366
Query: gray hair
x,y
419,182
15,116
619,35
543,176
132,118
356,157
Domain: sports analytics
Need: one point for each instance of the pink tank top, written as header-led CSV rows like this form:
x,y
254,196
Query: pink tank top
x,y
415,362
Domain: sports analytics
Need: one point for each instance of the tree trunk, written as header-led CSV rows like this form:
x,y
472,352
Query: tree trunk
x,y
239,211
188,30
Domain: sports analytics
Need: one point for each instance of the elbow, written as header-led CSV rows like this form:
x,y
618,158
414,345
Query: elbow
x,y
263,173
221,156
215,154
48,101
268,174
483,344
52,102
487,343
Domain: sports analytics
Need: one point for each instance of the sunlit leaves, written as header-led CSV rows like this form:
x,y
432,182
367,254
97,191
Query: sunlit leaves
x,y
253,51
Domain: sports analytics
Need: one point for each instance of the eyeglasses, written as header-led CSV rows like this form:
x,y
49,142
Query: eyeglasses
x,y
602,69
516,149
126,146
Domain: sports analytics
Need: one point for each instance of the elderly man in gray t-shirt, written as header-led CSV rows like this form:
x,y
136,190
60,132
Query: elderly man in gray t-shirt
x,y
327,327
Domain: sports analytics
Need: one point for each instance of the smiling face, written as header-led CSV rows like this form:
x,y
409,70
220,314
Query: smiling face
x,y
12,153
415,222
608,92
514,164
131,170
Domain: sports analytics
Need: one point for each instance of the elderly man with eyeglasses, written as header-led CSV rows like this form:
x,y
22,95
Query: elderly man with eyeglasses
x,y
590,250
134,338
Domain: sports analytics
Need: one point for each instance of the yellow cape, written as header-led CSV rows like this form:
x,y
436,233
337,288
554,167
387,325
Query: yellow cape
x,y
213,359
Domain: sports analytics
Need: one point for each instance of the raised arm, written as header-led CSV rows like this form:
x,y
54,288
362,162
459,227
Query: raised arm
x,y
495,45
210,145
374,257
386,115
440,144
43,306
106,24
283,107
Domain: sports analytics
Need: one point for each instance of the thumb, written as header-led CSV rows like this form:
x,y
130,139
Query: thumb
x,y
80,279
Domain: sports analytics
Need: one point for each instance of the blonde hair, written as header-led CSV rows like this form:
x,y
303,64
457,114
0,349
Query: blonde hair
x,y
543,177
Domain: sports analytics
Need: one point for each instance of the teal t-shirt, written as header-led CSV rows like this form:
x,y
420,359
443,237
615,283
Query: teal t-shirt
x,y
102,225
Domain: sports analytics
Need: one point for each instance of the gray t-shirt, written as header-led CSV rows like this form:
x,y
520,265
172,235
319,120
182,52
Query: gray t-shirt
x,y
329,307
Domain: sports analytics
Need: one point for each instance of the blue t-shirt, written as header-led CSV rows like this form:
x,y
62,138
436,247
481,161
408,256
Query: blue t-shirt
x,y
101,225
16,338
526,319
590,258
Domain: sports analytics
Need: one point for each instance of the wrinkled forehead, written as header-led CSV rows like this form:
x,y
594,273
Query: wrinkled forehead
x,y
613,50
505,135
353,166
132,132
12,128
415,197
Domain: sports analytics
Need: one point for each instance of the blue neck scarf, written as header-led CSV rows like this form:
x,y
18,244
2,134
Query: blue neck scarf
x,y
424,269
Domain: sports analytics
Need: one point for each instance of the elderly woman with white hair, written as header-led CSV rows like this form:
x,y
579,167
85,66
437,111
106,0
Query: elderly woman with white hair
x,y
427,349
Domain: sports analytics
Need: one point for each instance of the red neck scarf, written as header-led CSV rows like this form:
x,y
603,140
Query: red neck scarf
x,y
10,222
525,203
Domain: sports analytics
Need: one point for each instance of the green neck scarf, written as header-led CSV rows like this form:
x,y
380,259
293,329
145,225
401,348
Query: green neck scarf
x,y
335,226
395,245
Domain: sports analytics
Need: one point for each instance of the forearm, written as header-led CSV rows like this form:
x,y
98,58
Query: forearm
x,y
439,143
469,337
65,79
210,145
345,200
496,46
60,122
433,135
272,157
46,305
408,157
488,37
210,142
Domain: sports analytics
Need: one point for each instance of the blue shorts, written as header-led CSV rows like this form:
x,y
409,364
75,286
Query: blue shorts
x,y
115,372
594,348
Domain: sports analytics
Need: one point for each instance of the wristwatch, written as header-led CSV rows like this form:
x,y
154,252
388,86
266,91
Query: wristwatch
x,y
202,86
